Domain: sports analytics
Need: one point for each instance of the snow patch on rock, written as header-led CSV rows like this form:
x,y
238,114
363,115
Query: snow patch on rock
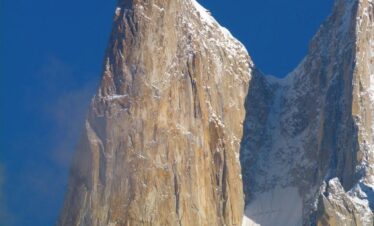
x,y
274,208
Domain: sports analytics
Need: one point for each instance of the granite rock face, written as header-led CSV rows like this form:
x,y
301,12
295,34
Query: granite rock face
x,y
162,139
308,153
164,131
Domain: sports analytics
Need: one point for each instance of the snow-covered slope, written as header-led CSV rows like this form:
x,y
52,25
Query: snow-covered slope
x,y
308,139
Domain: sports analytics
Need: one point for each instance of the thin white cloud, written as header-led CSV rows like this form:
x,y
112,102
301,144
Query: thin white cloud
x,y
5,216
68,108
60,100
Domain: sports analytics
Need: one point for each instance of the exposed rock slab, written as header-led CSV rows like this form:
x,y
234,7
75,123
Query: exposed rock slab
x,y
162,139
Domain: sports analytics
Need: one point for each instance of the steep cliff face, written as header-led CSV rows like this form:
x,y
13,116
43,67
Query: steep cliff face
x,y
307,153
162,139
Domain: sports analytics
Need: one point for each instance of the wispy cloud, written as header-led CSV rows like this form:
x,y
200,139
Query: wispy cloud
x,y
58,102
5,216
68,114
68,106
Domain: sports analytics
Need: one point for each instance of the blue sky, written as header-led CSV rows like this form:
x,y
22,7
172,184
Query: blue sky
x,y
51,59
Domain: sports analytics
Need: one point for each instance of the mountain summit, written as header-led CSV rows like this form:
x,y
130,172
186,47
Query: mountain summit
x,y
308,146
162,138
185,130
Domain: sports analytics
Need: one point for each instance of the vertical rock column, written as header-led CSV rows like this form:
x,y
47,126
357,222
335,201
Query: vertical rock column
x,y
162,138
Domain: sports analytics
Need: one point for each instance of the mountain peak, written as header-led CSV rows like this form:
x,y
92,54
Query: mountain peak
x,y
161,146
165,142
317,129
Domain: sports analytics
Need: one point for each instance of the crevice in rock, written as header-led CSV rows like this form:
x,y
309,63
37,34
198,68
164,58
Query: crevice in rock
x,y
176,194
196,103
